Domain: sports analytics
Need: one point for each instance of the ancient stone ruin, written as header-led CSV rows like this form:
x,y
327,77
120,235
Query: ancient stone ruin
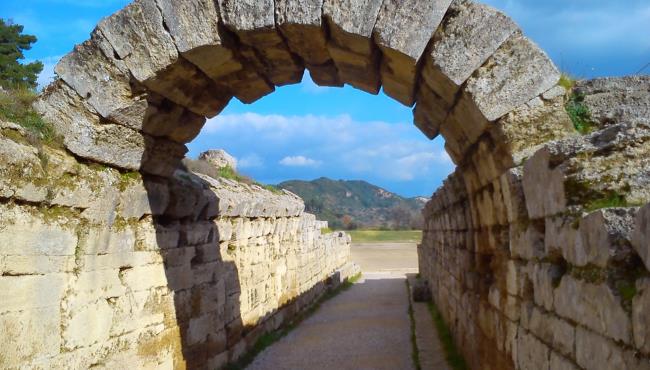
x,y
536,249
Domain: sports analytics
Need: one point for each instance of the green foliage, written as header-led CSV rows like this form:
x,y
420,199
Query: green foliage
x,y
579,113
453,356
16,107
269,338
567,81
395,236
366,205
13,74
609,200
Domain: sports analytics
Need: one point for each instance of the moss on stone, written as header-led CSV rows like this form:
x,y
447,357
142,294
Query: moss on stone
x,y
579,113
58,214
128,178
590,273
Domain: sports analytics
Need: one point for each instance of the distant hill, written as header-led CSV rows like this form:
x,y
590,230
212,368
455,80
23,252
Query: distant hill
x,y
357,204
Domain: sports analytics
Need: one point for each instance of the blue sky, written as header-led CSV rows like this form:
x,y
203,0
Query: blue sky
x,y
304,131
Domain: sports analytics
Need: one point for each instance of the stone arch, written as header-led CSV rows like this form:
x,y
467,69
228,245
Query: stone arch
x,y
155,70
503,230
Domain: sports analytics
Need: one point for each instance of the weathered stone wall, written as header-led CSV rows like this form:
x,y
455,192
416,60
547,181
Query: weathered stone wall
x,y
546,266
519,240
101,268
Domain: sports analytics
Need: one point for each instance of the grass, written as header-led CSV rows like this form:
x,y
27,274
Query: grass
x,y
16,107
567,81
269,338
579,113
611,200
453,356
395,236
415,352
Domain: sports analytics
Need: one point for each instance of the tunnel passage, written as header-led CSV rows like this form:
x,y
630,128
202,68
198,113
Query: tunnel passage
x,y
142,86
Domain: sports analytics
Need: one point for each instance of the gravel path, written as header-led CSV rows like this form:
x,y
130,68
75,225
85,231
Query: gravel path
x,y
364,328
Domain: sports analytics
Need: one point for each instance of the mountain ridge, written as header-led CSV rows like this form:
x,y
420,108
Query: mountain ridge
x,y
351,204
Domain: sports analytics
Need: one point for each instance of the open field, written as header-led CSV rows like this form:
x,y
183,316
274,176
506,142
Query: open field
x,y
393,236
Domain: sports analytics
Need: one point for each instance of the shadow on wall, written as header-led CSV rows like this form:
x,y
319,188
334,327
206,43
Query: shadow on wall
x,y
235,271
203,280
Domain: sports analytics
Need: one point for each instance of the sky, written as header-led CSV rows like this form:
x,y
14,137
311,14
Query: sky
x,y
305,131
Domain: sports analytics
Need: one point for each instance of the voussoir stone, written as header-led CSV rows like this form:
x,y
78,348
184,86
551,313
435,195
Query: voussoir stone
x,y
516,73
402,32
138,36
83,133
301,23
194,26
351,23
470,34
102,84
254,23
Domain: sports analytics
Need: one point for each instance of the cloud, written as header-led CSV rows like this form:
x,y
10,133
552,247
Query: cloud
x,y
299,161
250,161
333,146
47,75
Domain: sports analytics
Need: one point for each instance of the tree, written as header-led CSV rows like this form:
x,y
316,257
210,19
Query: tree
x,y
14,74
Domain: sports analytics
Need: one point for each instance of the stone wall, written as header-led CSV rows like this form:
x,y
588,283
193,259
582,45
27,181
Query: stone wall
x,y
546,266
102,268
521,239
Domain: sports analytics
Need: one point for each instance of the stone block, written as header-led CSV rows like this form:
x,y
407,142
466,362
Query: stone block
x,y
593,306
24,233
145,277
516,73
544,277
301,24
641,316
402,32
559,334
194,27
525,129
641,235
543,186
35,265
532,354
513,194
351,23
254,23
159,66
560,363
143,198
87,324
613,100
526,241
470,34
601,236
83,133
102,84
596,352
29,335
26,292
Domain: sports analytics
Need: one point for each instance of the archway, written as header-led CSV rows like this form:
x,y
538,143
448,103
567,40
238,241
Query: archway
x,y
141,87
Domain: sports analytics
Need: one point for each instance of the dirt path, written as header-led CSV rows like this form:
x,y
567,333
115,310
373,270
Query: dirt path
x,y
364,328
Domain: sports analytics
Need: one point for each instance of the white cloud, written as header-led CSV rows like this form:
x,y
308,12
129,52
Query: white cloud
x,y
47,75
299,161
250,161
336,145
